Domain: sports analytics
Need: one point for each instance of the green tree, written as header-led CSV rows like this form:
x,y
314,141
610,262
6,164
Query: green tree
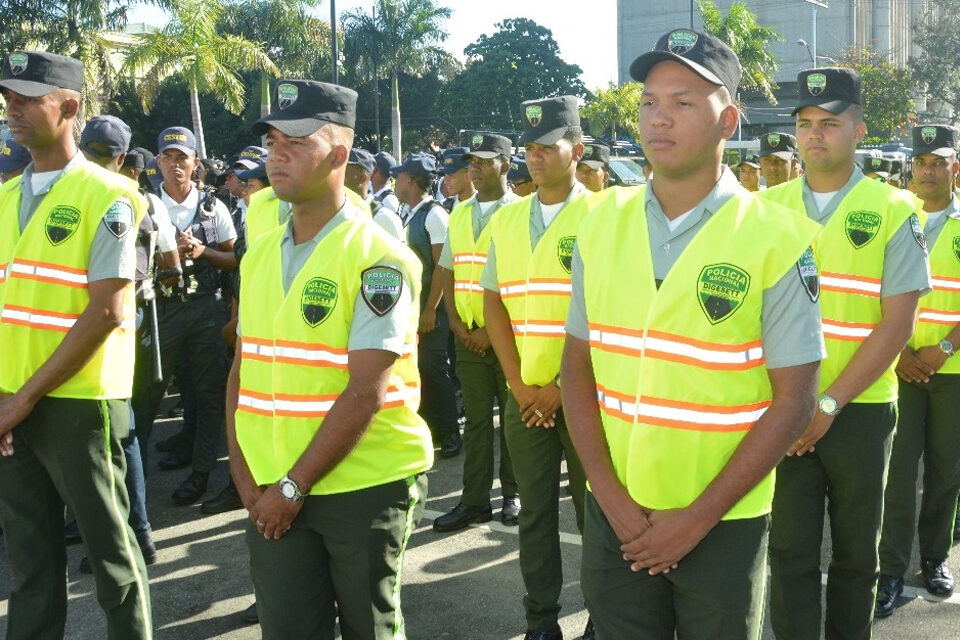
x,y
937,68
749,40
521,61
210,62
614,108
400,36
888,105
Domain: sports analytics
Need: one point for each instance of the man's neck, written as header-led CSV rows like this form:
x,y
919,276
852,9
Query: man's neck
x,y
53,157
679,194
493,194
463,196
417,200
178,191
313,215
558,191
829,180
377,185
938,203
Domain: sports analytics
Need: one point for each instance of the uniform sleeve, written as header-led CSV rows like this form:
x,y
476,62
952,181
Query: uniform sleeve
x,y
790,323
437,221
390,222
388,332
489,279
905,264
113,255
446,256
391,202
166,232
577,314
224,223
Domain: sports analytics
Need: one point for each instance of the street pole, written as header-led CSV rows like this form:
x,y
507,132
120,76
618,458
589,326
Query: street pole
x,y
691,15
813,34
376,80
333,40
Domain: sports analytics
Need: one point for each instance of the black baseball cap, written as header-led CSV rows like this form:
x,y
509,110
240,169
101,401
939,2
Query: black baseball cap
x,y
488,146
704,54
106,136
385,161
301,107
938,139
133,160
249,158
179,138
417,164
37,73
518,170
363,159
546,121
13,156
879,166
595,156
781,145
453,160
833,89
751,159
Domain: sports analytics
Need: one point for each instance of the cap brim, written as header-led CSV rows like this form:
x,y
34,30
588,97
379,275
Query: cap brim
x,y
943,152
293,127
836,107
448,170
642,66
251,173
27,87
593,164
7,164
179,147
755,165
366,168
546,138
783,155
486,155
246,164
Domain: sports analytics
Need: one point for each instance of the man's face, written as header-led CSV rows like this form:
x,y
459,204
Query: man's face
x,y
176,166
776,170
592,179
485,173
298,168
826,141
683,120
933,175
457,182
38,122
552,164
749,177
250,187
524,187
406,189
234,185
356,179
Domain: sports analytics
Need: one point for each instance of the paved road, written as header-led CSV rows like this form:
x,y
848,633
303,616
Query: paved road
x,y
463,586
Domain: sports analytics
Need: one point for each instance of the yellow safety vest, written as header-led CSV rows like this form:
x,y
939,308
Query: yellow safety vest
x,y
850,254
294,358
535,285
680,370
263,213
43,282
469,259
939,312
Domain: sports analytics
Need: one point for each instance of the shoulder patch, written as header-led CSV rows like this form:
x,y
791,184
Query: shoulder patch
x,y
381,288
917,229
119,218
809,275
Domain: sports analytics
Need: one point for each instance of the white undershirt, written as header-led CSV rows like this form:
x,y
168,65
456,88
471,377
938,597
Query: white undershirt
x,y
486,206
676,222
823,199
39,181
934,215
550,211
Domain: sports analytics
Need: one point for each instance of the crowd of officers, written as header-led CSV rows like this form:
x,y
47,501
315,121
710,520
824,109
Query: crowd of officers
x,y
338,318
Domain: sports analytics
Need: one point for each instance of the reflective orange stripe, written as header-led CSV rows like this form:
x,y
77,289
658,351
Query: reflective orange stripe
x,y
306,405
48,272
539,328
37,318
676,348
849,283
3,273
847,331
677,414
535,286
943,283
939,316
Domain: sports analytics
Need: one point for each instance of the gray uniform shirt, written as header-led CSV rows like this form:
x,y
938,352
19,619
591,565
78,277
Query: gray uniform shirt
x,y
489,280
790,320
367,330
905,265
110,256
934,227
479,219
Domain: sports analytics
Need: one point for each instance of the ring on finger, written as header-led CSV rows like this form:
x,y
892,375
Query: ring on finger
x,y
538,413
260,524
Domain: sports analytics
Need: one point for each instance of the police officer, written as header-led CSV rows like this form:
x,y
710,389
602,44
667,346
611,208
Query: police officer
x,y
680,453
778,158
456,177
326,447
749,169
519,178
14,158
191,324
929,391
527,293
872,259
247,160
380,181
593,170
426,235
360,168
66,335
480,374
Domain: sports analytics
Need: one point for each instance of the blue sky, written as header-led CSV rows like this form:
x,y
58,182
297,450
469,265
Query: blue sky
x,y
585,31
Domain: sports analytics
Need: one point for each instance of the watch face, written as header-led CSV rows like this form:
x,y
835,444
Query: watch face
x,y
828,405
287,490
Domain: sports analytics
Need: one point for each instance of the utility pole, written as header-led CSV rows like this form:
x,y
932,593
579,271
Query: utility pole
x,y
691,15
813,26
333,41
376,78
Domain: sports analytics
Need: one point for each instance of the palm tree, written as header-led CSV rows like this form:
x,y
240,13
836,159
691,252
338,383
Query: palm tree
x,y
749,40
401,36
210,62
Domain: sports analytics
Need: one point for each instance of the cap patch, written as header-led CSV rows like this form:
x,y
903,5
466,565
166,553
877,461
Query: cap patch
x,y
929,134
816,83
18,63
681,41
175,137
773,139
287,94
587,151
381,288
876,163
250,154
318,299
5,151
534,114
476,141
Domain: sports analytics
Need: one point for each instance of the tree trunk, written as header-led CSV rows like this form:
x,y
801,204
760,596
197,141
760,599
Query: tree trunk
x,y
395,117
264,101
197,123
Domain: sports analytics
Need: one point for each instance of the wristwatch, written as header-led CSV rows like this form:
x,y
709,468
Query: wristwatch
x,y
290,490
829,405
947,347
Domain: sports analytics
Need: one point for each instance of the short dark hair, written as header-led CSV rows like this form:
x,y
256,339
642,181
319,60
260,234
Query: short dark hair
x,y
573,135
423,182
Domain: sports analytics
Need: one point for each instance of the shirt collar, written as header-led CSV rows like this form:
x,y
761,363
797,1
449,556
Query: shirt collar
x,y
426,198
819,215
726,187
77,160
344,213
190,202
